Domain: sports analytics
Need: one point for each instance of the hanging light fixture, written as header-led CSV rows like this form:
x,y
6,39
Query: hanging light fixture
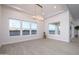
x,y
35,16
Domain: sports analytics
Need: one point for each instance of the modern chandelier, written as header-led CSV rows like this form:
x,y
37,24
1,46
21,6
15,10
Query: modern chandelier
x,y
35,16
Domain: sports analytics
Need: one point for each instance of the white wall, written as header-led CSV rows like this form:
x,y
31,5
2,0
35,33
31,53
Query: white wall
x,y
63,18
72,35
72,24
12,13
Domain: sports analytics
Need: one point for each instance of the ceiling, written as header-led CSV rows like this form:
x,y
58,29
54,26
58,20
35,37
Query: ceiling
x,y
48,10
74,10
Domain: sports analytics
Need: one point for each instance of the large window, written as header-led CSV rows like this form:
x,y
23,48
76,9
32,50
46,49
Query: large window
x,y
14,27
18,26
54,28
25,28
33,28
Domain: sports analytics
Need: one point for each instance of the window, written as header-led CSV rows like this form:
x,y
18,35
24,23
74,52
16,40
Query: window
x,y
54,28
25,28
14,27
33,28
18,26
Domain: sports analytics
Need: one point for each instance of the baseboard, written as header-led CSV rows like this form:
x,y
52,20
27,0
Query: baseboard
x,y
18,41
61,40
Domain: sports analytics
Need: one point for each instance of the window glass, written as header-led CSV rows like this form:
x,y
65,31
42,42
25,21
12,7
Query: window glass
x,y
25,28
33,28
52,28
14,27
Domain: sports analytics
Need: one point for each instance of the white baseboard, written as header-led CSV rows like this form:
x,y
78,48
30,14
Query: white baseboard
x,y
61,40
17,41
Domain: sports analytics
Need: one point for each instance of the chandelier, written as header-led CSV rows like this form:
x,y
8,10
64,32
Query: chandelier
x,y
36,16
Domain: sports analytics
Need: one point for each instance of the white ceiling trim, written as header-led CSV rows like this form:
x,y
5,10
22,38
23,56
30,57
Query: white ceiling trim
x,y
57,13
46,17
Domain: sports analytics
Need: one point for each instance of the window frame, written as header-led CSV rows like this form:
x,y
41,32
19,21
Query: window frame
x,y
9,26
36,29
22,27
48,30
57,30
30,34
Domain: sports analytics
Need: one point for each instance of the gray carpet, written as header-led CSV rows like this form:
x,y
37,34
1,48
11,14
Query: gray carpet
x,y
41,47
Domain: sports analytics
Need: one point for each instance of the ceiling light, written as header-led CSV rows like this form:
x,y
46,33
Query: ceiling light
x,y
38,17
55,7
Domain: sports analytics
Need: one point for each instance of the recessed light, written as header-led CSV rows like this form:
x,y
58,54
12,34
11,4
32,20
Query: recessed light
x,y
55,7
